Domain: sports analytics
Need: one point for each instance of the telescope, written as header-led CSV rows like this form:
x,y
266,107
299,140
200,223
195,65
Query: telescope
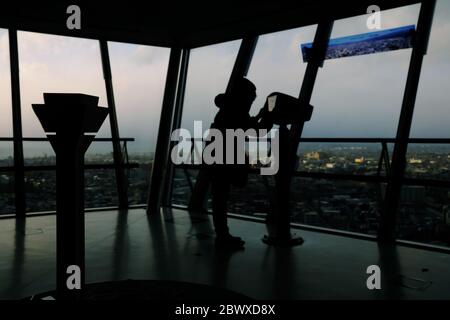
x,y
284,109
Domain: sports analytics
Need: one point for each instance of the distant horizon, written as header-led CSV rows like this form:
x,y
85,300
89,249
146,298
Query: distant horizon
x,y
304,147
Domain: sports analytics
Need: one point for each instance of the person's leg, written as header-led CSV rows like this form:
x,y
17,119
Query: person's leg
x,y
220,189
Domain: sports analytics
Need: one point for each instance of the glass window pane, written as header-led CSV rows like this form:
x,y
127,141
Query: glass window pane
x,y
99,152
343,158
183,182
208,74
6,148
424,215
7,205
277,64
428,161
344,205
100,188
431,113
361,96
5,87
51,63
139,75
6,154
40,187
38,153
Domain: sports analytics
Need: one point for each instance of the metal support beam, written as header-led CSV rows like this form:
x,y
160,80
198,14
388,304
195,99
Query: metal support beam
x,y
121,180
320,45
19,176
176,123
386,232
165,127
243,60
289,142
240,69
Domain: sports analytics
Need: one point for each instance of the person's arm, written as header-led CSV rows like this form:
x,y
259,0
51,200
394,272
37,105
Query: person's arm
x,y
262,120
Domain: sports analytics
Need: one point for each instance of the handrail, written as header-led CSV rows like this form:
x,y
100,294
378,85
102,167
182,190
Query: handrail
x,y
35,139
89,166
126,164
362,140
378,140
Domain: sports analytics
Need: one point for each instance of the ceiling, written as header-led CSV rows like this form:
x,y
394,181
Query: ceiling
x,y
186,24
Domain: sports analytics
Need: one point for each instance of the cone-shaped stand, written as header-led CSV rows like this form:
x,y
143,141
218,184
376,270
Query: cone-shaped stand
x,y
70,122
279,224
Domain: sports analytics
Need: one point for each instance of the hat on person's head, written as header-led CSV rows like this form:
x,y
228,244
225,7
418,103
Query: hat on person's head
x,y
220,100
241,86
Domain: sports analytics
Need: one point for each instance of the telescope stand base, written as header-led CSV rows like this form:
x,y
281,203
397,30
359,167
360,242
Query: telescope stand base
x,y
290,241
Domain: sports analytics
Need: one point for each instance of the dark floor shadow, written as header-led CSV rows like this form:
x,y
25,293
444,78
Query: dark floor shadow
x,y
13,290
220,268
201,228
391,272
284,270
165,245
200,240
121,246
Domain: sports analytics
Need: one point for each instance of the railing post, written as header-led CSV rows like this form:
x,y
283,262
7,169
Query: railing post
x,y
243,60
388,217
320,46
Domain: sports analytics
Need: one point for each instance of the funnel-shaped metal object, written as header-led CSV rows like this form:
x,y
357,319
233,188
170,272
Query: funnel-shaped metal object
x,y
70,121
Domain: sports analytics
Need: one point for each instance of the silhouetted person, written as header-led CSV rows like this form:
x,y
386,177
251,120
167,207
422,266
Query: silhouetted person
x,y
234,111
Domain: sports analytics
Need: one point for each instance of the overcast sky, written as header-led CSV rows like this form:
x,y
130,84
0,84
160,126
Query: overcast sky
x,y
353,97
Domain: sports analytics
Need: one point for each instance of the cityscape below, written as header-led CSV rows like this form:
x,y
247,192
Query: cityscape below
x,y
424,213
